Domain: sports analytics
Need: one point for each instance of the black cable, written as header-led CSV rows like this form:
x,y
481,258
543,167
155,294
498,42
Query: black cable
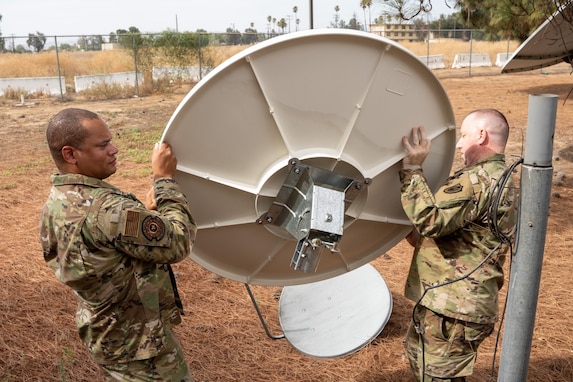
x,y
493,205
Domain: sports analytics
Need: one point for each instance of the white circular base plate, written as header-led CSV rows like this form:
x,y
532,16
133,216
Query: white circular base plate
x,y
337,316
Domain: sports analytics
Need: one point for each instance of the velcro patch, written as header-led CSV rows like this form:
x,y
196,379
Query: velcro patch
x,y
132,224
454,189
457,189
153,228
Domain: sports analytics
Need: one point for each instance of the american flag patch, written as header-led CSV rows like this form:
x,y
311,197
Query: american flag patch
x,y
132,224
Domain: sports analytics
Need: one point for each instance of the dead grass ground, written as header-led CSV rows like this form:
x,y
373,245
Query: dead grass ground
x,y
221,334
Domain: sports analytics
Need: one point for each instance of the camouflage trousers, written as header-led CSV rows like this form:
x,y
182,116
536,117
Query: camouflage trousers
x,y
168,365
445,348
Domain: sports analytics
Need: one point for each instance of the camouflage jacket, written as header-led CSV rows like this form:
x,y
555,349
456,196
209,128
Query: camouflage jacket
x,y
455,239
115,254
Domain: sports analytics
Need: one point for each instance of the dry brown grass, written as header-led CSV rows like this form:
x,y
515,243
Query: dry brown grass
x,y
221,335
103,62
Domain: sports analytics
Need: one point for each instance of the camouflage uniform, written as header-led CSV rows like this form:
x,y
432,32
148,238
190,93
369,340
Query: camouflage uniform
x,y
115,254
455,238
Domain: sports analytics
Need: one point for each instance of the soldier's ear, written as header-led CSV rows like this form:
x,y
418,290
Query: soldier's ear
x,y
69,154
483,137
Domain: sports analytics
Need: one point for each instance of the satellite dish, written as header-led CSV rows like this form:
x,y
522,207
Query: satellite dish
x,y
289,153
550,44
338,316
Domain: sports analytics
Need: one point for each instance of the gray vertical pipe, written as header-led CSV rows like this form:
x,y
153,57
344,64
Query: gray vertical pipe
x,y
525,276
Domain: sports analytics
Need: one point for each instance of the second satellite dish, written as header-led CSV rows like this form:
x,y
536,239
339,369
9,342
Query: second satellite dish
x,y
289,154
550,44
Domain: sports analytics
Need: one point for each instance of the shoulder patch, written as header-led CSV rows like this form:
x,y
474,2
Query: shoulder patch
x,y
454,189
132,224
143,227
153,228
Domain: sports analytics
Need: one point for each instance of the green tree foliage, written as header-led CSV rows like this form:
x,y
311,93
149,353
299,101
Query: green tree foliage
x,y
353,23
93,42
36,41
282,24
233,37
250,36
142,49
2,42
65,47
499,19
180,48
130,39
517,19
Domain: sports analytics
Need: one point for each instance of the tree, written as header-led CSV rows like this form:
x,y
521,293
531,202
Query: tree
x,y
93,42
142,50
179,48
366,4
130,39
295,11
336,16
233,36
282,24
36,41
515,19
2,42
353,23
250,36
65,47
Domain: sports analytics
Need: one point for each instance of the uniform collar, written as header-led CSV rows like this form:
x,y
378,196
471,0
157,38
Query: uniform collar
x,y
79,179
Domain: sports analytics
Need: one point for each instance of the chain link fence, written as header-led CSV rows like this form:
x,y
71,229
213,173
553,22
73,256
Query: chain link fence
x,y
137,64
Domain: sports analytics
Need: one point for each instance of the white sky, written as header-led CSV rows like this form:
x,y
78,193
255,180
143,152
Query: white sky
x,y
73,18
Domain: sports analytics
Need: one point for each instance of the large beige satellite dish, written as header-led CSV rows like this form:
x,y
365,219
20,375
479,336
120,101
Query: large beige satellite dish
x,y
289,154
550,44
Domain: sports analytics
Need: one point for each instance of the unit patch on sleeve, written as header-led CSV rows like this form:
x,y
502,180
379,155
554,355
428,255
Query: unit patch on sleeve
x,y
454,189
153,228
458,189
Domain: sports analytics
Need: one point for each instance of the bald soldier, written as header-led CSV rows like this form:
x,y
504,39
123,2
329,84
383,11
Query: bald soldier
x,y
456,270
115,252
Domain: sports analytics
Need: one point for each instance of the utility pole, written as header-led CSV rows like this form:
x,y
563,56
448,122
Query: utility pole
x,y
525,276
311,15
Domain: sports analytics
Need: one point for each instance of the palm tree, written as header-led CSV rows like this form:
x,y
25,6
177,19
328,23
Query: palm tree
x,y
336,9
282,24
366,4
295,10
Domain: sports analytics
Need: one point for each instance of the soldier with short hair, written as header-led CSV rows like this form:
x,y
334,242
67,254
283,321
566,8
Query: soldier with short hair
x,y
457,265
115,251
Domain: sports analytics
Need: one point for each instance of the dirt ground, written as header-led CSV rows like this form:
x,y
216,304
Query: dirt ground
x,y
221,334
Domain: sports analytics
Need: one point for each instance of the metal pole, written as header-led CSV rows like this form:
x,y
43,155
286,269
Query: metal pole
x,y
311,15
471,50
59,70
135,50
535,192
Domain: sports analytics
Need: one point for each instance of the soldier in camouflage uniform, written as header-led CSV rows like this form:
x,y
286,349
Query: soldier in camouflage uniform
x,y
115,251
456,270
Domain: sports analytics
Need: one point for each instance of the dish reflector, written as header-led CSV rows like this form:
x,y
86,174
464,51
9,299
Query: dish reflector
x,y
338,316
548,45
337,101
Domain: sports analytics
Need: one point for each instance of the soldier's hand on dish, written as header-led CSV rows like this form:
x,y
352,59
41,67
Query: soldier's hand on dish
x,y
163,161
417,148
